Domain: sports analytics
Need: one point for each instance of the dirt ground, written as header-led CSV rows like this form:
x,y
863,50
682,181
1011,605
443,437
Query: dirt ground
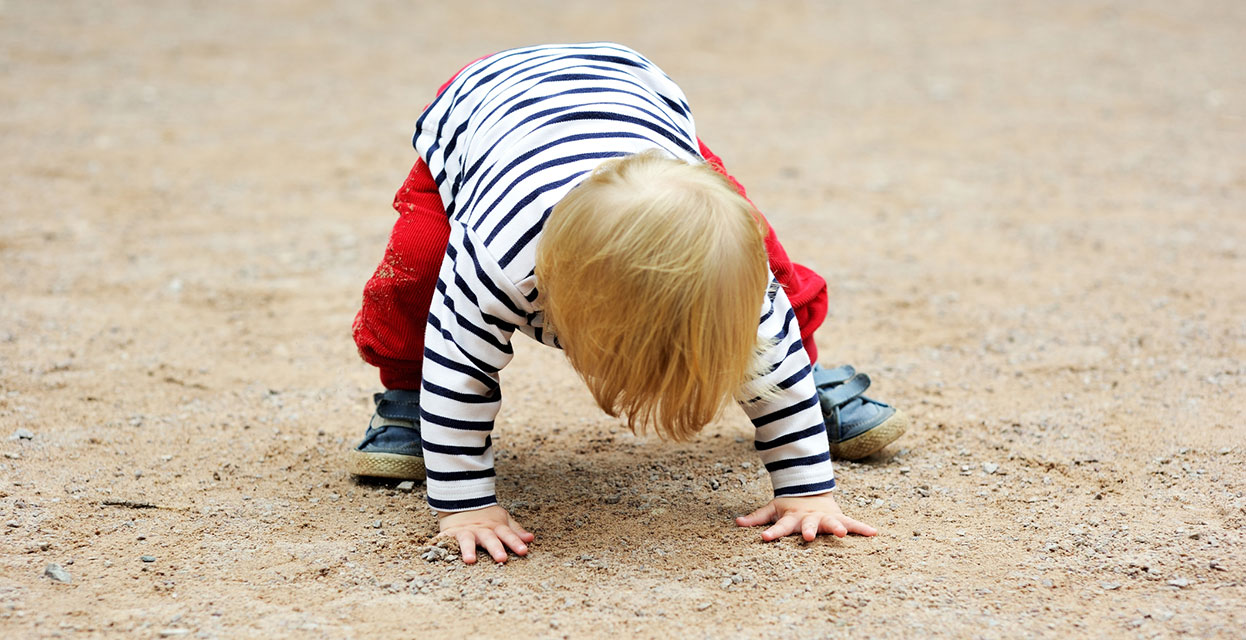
x,y
1032,216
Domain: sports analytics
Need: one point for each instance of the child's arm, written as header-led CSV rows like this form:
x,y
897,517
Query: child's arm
x,y
791,436
474,313
810,514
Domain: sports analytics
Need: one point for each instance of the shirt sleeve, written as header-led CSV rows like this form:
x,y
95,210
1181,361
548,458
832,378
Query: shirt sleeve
x,y
790,432
474,313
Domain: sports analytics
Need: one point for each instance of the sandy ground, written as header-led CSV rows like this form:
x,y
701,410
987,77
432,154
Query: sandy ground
x,y
1032,217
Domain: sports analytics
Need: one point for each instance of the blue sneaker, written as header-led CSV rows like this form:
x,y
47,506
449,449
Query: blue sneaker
x,y
391,448
855,425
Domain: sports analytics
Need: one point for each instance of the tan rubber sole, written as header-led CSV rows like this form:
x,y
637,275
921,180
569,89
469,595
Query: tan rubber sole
x,y
385,465
873,440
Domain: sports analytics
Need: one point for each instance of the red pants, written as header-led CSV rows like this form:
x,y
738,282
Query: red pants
x,y
389,329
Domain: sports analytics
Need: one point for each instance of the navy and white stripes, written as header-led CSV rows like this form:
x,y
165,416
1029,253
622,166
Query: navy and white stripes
x,y
790,434
510,136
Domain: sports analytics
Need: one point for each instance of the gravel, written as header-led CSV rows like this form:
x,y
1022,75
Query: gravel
x,y
436,554
57,573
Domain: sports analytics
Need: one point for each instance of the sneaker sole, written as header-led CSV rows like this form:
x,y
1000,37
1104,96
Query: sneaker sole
x,y
385,465
873,440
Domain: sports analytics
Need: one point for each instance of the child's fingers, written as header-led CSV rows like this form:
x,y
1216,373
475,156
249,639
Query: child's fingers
x,y
834,526
809,527
489,540
785,526
511,539
467,546
857,527
760,516
523,533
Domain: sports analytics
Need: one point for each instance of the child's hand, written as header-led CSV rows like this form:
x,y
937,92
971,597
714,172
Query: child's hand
x,y
810,515
490,527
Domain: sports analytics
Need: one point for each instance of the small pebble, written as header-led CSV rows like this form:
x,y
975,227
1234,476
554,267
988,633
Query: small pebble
x,y
57,573
990,467
726,583
704,605
1179,583
1110,586
905,470
148,558
435,554
23,434
376,525
406,485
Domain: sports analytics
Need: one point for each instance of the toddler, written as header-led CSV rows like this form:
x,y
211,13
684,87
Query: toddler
x,y
562,192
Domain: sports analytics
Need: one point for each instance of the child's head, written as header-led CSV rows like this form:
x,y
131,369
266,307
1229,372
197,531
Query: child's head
x,y
652,273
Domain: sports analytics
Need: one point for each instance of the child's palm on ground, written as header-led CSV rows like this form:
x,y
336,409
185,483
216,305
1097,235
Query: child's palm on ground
x,y
491,527
807,515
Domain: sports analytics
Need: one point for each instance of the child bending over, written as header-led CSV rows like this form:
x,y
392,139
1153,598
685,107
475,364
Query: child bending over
x,y
562,192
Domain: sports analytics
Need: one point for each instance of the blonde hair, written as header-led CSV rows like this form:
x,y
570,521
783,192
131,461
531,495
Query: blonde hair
x,y
652,273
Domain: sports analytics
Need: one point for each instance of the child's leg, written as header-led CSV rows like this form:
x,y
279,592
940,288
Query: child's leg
x,y
389,329
806,290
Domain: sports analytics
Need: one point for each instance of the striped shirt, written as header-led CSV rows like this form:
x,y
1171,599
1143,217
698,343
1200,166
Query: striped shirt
x,y
505,141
